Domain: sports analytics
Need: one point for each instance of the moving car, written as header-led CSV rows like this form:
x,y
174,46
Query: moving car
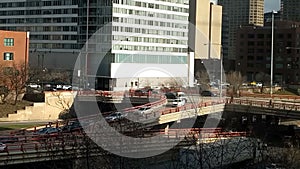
x,y
208,93
181,95
259,84
178,102
72,126
144,110
3,147
48,130
116,116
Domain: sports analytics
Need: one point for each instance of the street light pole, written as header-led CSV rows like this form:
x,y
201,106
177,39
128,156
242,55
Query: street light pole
x,y
221,71
272,53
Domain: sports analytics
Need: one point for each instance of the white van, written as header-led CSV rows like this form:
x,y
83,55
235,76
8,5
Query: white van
x,y
178,102
181,95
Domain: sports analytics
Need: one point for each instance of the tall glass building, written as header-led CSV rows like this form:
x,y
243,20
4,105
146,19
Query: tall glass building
x,y
140,33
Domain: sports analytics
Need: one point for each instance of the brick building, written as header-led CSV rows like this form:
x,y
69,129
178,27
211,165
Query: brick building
x,y
14,47
254,52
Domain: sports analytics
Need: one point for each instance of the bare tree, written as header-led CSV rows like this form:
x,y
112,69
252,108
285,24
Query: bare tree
x,y
14,78
287,156
264,78
235,79
3,94
174,82
58,76
218,152
203,79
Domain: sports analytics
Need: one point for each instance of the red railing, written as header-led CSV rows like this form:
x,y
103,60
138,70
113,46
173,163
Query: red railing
x,y
116,93
266,104
61,140
274,96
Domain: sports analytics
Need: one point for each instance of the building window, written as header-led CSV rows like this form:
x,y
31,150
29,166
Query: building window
x,y
8,56
251,36
8,42
250,43
278,66
250,57
260,36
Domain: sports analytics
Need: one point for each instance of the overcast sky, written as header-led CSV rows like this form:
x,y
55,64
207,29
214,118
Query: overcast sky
x,y
269,5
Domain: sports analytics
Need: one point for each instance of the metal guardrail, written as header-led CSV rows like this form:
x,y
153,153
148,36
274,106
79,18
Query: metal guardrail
x,y
274,96
115,93
60,141
266,104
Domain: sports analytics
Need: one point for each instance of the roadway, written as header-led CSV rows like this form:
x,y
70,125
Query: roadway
x,y
29,142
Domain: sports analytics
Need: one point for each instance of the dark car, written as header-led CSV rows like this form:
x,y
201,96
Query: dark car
x,y
208,93
140,92
116,116
48,130
72,126
171,95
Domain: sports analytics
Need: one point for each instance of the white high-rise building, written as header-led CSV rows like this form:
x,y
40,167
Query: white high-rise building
x,y
146,45
139,34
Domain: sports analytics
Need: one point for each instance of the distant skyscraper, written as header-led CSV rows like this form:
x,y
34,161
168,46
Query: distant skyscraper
x,y
290,10
240,12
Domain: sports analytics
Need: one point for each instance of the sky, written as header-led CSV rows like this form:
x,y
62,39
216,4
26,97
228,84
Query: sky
x,y
270,5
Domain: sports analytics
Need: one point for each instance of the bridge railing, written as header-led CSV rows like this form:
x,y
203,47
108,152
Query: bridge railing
x,y
115,93
274,96
192,106
66,140
266,104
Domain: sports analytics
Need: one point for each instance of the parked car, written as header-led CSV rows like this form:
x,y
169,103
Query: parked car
x,y
178,102
244,84
3,147
34,85
208,93
259,84
253,83
67,87
116,116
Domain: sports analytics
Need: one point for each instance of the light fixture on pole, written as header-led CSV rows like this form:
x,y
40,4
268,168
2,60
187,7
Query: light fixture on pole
x,y
288,47
272,53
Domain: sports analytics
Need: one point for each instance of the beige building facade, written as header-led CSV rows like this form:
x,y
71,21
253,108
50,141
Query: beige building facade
x,y
208,23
